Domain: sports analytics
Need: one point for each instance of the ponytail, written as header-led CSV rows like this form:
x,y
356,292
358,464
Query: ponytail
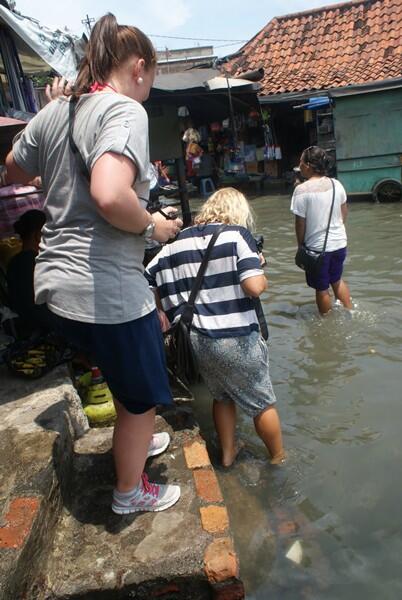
x,y
109,46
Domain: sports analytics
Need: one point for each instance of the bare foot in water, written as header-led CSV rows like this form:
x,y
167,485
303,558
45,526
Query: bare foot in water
x,y
229,457
280,459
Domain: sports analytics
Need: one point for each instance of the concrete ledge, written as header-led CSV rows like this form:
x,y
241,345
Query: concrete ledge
x,y
39,420
59,539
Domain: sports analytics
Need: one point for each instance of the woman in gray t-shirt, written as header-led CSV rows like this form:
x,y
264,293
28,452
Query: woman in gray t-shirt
x,y
89,268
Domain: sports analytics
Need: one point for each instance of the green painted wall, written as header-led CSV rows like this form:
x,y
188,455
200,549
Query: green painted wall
x,y
368,133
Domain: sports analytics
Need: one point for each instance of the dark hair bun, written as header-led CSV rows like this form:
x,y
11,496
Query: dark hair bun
x,y
317,158
30,222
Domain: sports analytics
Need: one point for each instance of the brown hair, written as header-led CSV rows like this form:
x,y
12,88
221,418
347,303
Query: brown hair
x,y
110,45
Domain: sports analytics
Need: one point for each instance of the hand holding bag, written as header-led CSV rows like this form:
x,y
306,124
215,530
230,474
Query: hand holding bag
x,y
311,260
180,349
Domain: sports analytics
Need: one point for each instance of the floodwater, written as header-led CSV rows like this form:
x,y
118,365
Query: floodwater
x,y
328,525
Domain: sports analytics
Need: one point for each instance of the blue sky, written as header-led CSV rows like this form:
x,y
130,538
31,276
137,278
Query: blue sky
x,y
197,19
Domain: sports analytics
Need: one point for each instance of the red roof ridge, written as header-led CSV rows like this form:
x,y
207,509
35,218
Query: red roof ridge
x,y
322,9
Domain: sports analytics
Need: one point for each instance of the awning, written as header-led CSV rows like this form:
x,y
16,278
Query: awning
x,y
315,103
41,49
222,83
188,80
200,79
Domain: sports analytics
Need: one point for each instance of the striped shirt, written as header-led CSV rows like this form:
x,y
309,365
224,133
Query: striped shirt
x,y
222,309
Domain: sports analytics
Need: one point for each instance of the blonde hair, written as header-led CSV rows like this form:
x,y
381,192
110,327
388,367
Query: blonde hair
x,y
228,206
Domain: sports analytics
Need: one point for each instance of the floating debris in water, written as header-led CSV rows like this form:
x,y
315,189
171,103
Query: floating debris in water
x,y
295,552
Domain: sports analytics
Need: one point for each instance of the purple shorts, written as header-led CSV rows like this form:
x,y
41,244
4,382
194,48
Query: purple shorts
x,y
330,272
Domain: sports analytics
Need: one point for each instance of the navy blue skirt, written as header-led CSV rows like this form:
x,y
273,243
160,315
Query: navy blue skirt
x,y
130,355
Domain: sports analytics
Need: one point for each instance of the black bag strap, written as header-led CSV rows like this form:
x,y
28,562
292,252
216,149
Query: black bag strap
x,y
262,322
330,214
188,311
73,147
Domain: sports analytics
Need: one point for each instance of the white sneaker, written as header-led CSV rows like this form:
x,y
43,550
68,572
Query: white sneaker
x,y
147,496
159,443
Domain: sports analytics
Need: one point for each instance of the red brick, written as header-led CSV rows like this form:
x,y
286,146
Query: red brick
x,y
18,522
207,485
214,519
196,455
230,591
220,561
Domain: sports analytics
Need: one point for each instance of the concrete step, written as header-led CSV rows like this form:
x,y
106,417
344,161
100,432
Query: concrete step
x,y
59,539
184,552
39,421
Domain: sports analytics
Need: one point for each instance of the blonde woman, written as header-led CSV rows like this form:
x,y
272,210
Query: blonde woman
x,y
232,355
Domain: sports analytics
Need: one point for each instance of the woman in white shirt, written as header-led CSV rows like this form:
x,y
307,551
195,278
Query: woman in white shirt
x,y
311,205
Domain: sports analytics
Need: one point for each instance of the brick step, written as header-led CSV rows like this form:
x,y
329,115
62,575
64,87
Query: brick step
x,y
183,553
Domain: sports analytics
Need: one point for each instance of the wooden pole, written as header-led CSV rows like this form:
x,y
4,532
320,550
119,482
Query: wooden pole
x,y
181,180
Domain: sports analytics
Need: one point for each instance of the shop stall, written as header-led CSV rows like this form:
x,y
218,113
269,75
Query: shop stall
x,y
214,126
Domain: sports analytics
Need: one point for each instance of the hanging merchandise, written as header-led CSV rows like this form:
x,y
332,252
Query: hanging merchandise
x,y
203,130
278,153
269,153
183,112
254,117
191,135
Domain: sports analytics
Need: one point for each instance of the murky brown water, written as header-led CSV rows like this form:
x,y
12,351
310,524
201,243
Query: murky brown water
x,y
338,382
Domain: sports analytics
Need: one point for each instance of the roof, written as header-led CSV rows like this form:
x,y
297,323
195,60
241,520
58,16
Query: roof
x,y
334,46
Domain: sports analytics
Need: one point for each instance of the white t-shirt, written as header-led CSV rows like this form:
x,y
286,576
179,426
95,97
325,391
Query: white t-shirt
x,y
312,201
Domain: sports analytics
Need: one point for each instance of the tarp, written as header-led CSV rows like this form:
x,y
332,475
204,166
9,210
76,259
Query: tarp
x,y
202,79
315,103
187,80
41,48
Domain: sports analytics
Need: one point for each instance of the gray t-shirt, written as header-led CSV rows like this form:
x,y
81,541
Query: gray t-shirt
x,y
87,270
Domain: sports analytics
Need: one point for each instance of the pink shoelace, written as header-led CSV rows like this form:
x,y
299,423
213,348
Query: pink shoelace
x,y
148,487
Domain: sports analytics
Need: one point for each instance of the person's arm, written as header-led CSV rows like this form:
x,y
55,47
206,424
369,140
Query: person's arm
x,y
112,178
254,286
300,229
344,211
252,278
14,173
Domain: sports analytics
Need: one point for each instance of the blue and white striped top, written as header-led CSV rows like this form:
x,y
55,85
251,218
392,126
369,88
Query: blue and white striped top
x,y
222,309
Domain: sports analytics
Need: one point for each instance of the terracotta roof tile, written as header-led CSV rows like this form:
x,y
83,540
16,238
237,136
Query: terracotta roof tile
x,y
350,43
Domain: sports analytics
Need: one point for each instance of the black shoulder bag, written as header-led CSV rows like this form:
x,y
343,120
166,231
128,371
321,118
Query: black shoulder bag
x,y
311,260
181,352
